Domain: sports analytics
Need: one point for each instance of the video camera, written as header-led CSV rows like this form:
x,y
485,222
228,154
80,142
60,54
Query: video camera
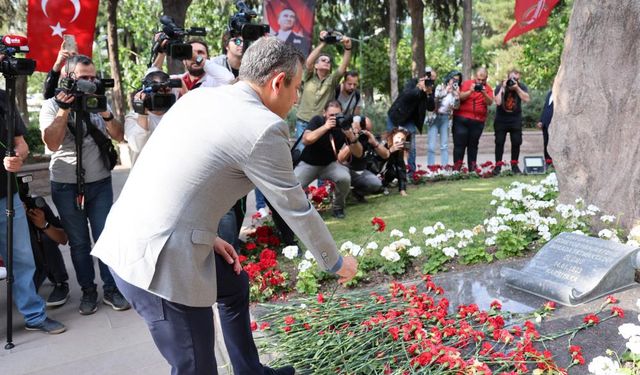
x,y
478,87
240,24
9,46
176,47
332,37
428,81
89,95
155,99
30,201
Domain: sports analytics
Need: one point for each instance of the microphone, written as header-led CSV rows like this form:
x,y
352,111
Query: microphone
x,y
16,42
86,86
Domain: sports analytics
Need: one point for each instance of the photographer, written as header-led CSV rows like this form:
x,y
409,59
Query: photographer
x,y
363,181
509,97
324,140
200,71
232,51
57,120
468,120
395,167
410,108
319,84
348,95
25,297
138,127
447,99
46,234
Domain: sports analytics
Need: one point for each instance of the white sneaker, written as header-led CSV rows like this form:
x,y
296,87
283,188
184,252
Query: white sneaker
x,y
385,191
3,273
263,213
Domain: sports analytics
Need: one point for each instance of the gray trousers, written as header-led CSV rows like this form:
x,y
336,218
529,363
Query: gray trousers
x,y
365,182
336,172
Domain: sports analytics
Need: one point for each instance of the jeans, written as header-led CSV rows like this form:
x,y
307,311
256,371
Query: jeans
x,y
439,125
98,200
413,130
515,134
338,173
466,135
261,202
28,302
227,228
365,182
301,126
184,335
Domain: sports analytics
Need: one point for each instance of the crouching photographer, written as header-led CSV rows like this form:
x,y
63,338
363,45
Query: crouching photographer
x,y
46,234
363,180
398,144
149,105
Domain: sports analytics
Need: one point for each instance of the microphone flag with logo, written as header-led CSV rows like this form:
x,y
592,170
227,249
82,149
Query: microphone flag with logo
x,y
529,15
49,20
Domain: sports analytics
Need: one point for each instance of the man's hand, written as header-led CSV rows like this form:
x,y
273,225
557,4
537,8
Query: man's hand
x,y
539,125
348,269
421,85
396,147
346,42
330,122
64,100
224,249
323,33
36,216
12,163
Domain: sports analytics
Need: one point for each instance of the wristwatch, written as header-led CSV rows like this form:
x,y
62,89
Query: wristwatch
x,y
109,118
46,226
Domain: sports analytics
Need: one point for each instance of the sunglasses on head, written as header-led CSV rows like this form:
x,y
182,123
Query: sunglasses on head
x,y
324,59
237,41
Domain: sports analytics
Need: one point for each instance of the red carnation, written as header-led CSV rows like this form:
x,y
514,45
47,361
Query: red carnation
x,y
550,305
254,326
617,311
320,298
288,320
611,299
591,319
250,246
496,305
378,223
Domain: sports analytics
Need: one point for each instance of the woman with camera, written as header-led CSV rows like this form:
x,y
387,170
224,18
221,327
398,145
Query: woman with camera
x,y
447,99
468,120
395,168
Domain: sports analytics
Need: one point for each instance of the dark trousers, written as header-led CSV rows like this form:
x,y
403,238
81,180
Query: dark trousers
x,y
515,134
48,259
287,237
184,335
545,139
466,136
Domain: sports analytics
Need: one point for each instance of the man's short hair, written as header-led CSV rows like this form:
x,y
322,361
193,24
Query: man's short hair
x,y
226,37
334,104
267,57
323,54
199,41
156,76
72,61
351,73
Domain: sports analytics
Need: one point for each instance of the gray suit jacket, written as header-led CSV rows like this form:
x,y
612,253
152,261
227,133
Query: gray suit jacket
x,y
209,150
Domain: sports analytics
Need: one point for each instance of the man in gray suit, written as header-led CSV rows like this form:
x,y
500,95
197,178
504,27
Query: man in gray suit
x,y
160,238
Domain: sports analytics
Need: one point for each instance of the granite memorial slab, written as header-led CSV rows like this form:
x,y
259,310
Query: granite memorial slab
x,y
573,269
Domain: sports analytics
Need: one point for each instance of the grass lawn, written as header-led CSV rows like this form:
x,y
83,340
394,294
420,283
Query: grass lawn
x,y
457,204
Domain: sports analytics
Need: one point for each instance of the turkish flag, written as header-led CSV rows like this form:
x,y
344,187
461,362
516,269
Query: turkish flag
x,y
529,15
49,20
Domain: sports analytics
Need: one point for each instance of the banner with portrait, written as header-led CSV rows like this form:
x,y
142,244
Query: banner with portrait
x,y
291,21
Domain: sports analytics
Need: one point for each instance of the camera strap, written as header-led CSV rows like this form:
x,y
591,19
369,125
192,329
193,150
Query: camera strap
x,y
80,117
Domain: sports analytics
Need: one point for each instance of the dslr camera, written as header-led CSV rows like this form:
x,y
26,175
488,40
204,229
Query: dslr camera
x,y
332,37
511,82
11,65
478,87
428,80
155,98
89,95
240,23
362,120
30,201
176,47
343,121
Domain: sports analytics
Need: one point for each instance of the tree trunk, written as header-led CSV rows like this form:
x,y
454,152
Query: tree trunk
x,y
467,32
114,60
594,140
416,10
21,98
393,45
176,9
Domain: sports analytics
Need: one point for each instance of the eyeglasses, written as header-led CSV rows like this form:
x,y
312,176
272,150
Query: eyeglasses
x,y
237,41
324,59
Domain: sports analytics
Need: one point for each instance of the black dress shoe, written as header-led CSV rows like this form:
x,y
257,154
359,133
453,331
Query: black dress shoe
x,y
285,370
338,214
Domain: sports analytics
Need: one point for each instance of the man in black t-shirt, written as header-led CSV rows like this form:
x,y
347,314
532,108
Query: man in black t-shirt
x,y
509,97
28,302
324,141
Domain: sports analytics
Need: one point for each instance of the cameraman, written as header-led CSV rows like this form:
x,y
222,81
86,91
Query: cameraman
x,y
319,84
509,97
324,141
139,127
56,122
200,71
363,181
410,108
468,120
447,99
232,51
25,297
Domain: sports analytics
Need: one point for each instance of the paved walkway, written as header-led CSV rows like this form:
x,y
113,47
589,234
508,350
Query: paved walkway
x,y
110,342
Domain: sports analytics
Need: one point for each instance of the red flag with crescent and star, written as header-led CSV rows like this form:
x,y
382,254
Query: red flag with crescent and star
x,y
49,20
529,15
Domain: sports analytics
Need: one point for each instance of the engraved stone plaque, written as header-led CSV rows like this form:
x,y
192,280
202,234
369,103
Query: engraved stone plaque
x,y
573,269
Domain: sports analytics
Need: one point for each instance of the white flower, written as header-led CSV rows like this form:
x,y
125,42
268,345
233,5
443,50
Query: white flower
x,y
304,265
390,254
346,246
308,255
605,233
607,218
634,234
578,232
303,306
520,218
427,231
633,243
450,251
634,344
579,201
372,245
462,244
356,250
438,225
546,236
412,230
503,211
396,233
415,251
490,241
493,202
290,252
603,366
593,209
627,330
